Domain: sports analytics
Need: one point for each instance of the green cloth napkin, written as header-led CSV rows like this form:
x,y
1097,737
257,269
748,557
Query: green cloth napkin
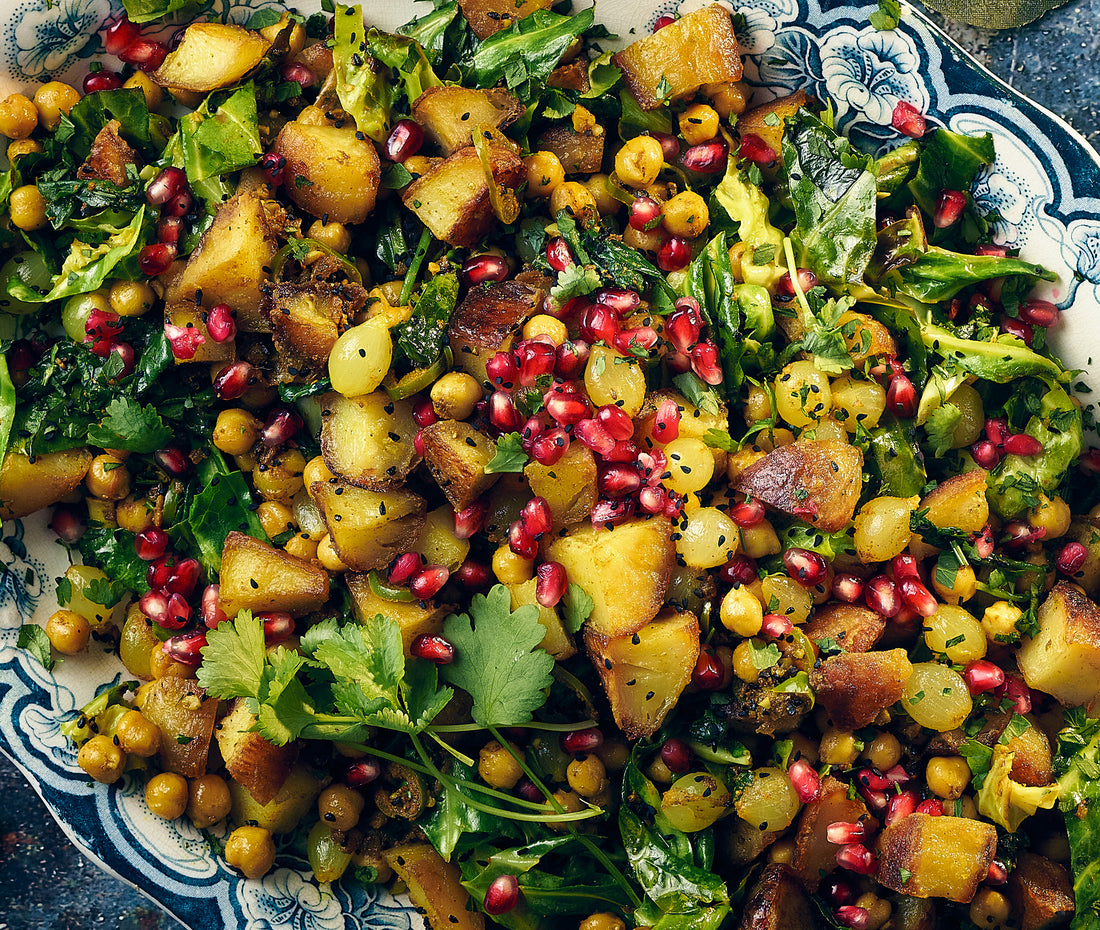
x,y
994,14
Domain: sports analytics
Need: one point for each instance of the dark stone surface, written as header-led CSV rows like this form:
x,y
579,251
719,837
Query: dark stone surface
x,y
44,882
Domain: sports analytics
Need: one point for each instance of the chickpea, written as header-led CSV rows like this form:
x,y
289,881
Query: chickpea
x,y
729,98
131,298
1052,514
27,208
883,752
102,759
20,147
989,908
282,479
316,470
236,431
963,586
659,772
154,95
615,754
838,747
276,517
743,665
52,99
570,803
68,632
18,116
166,795
575,198
760,540
302,546
455,395
999,622
699,123
137,734
542,324
947,776
741,612
878,909
162,665
108,478
208,800
544,173
252,850
498,767
639,161
511,568
587,775
340,806
332,234
602,920
606,202
685,215
645,240
328,556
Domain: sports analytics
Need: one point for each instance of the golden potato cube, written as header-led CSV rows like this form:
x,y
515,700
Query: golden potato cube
x,y
854,687
814,855
368,440
369,528
578,152
185,716
449,114
854,628
285,811
487,320
27,486
435,886
258,577
488,16
413,618
557,640
456,454
307,319
766,121
936,857
568,486
253,762
1063,658
958,502
210,56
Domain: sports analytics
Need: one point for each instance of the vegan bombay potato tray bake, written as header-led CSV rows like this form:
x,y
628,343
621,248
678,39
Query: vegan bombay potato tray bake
x,y
547,482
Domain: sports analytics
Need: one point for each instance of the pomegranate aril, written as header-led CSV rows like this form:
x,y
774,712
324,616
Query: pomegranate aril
x,y
705,158
423,412
558,254
615,421
708,674
1022,444
624,450
917,596
144,54
611,512
120,35
844,832
997,874
68,523
183,577
873,779
661,21
853,917
805,566
666,424
178,207
170,230
577,741
209,608
776,625
983,542
362,772
151,544
1020,533
856,858
683,329
567,409
278,626
618,480
502,895
674,255
280,427
653,499
1017,692
427,581
901,805
95,81
433,648
1017,328
221,323
756,150
949,208
677,756
806,780
535,359
186,647
530,431
933,807
570,358
479,269
503,413
591,434
599,323
1036,312
881,595
985,454
704,362
645,213
981,676
739,570
179,612
404,567
908,120
550,584
636,341
234,380
473,575
154,604
901,396
536,517
622,300
273,167
298,73
847,588
837,890
522,543
550,446
404,140
1071,558
156,258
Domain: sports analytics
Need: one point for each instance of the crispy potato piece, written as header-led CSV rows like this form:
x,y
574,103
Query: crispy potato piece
x,y
1063,658
645,672
369,528
958,502
557,640
936,857
818,481
488,16
368,440
414,618
778,901
1041,893
1031,762
761,120
755,708
854,687
27,486
330,172
285,811
210,56
185,717
625,571
880,342
573,76
487,320
109,157
456,454
259,577
452,198
855,628
257,764
569,486
578,152
434,886
814,855
697,49
306,320
449,114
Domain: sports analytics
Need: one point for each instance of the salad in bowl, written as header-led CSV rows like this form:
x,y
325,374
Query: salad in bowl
x,y
548,476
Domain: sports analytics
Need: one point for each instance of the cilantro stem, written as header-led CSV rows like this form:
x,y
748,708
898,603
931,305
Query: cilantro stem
x,y
462,757
414,267
792,271
530,725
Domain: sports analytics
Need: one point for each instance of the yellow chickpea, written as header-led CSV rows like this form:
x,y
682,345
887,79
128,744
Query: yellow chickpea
x,y
606,203
302,546
510,568
20,147
53,99
108,478
741,612
602,920
1052,514
575,198
883,752
18,116
838,747
335,235
154,96
542,324
101,759
645,240
999,622
685,215
699,123
743,665
587,775
208,800
990,908
340,806
315,470
639,161
947,776
455,395
252,850
729,98
131,298
235,431
166,795
498,767
27,208
68,632
544,173
137,734
328,556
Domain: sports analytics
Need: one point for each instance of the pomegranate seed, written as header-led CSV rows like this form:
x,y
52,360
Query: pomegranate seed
x,y
873,779
674,255
581,741
776,625
433,648
905,565
536,517
179,612
567,409
423,412
881,595
185,647
949,208
683,329
611,512
535,359
502,895
704,362
785,286
853,917
901,396
618,480
273,166
95,81
748,513
663,21
917,596
645,213
594,436
622,300
362,772
522,543
599,323
145,54
209,609
624,450
154,604
234,380
503,413
67,523
708,673
1017,692
404,141
550,446
528,790
156,258
996,429
426,583
183,576
636,341
278,626
1071,558
843,832
677,755
908,120
756,150
178,207
805,566
124,351
666,425
705,158
615,422
981,676
470,520
739,570
997,874
151,544
989,248
1022,444
1037,312
1089,462
900,806
120,35
985,454
530,431
857,858
172,461
221,323
806,781
297,73
570,358
550,584
558,254
1019,533
933,807
1017,328
281,425
479,269
837,890
847,588
473,575
404,567
170,230
653,464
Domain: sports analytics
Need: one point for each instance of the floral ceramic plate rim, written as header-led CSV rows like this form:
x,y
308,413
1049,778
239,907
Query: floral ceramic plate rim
x,y
1037,187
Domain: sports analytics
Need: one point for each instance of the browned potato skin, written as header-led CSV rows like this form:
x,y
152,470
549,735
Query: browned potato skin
x,y
855,628
818,481
578,152
413,618
488,16
1041,893
1063,658
109,156
185,716
456,454
854,687
759,121
307,319
27,486
449,114
452,198
368,457
697,49
435,886
814,855
211,55
778,902
881,343
942,857
330,172
282,581
573,76
258,765
369,528
960,502
487,320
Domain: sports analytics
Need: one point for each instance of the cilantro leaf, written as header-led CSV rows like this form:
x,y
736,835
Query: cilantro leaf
x,y
509,457
578,607
34,639
824,338
941,427
130,425
575,281
887,16
497,659
234,658
368,654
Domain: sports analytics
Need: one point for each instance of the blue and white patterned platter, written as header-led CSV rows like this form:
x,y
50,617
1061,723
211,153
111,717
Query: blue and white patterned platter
x,y
1041,189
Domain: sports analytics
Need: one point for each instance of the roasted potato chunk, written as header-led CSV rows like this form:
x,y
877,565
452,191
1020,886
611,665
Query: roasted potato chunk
x,y
645,672
568,486
814,855
854,628
368,440
27,486
697,49
625,571
488,16
259,577
487,320
766,121
285,811
936,857
109,157
306,320
185,716
253,762
456,454
854,687
958,502
413,618
818,481
1063,658
449,114
211,56
369,528
778,901
1041,893
578,152
557,640
434,886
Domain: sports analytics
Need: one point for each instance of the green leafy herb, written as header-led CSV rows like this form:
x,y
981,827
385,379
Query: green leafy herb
x,y
423,336
34,639
941,427
578,607
132,426
529,49
509,456
885,18
362,84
